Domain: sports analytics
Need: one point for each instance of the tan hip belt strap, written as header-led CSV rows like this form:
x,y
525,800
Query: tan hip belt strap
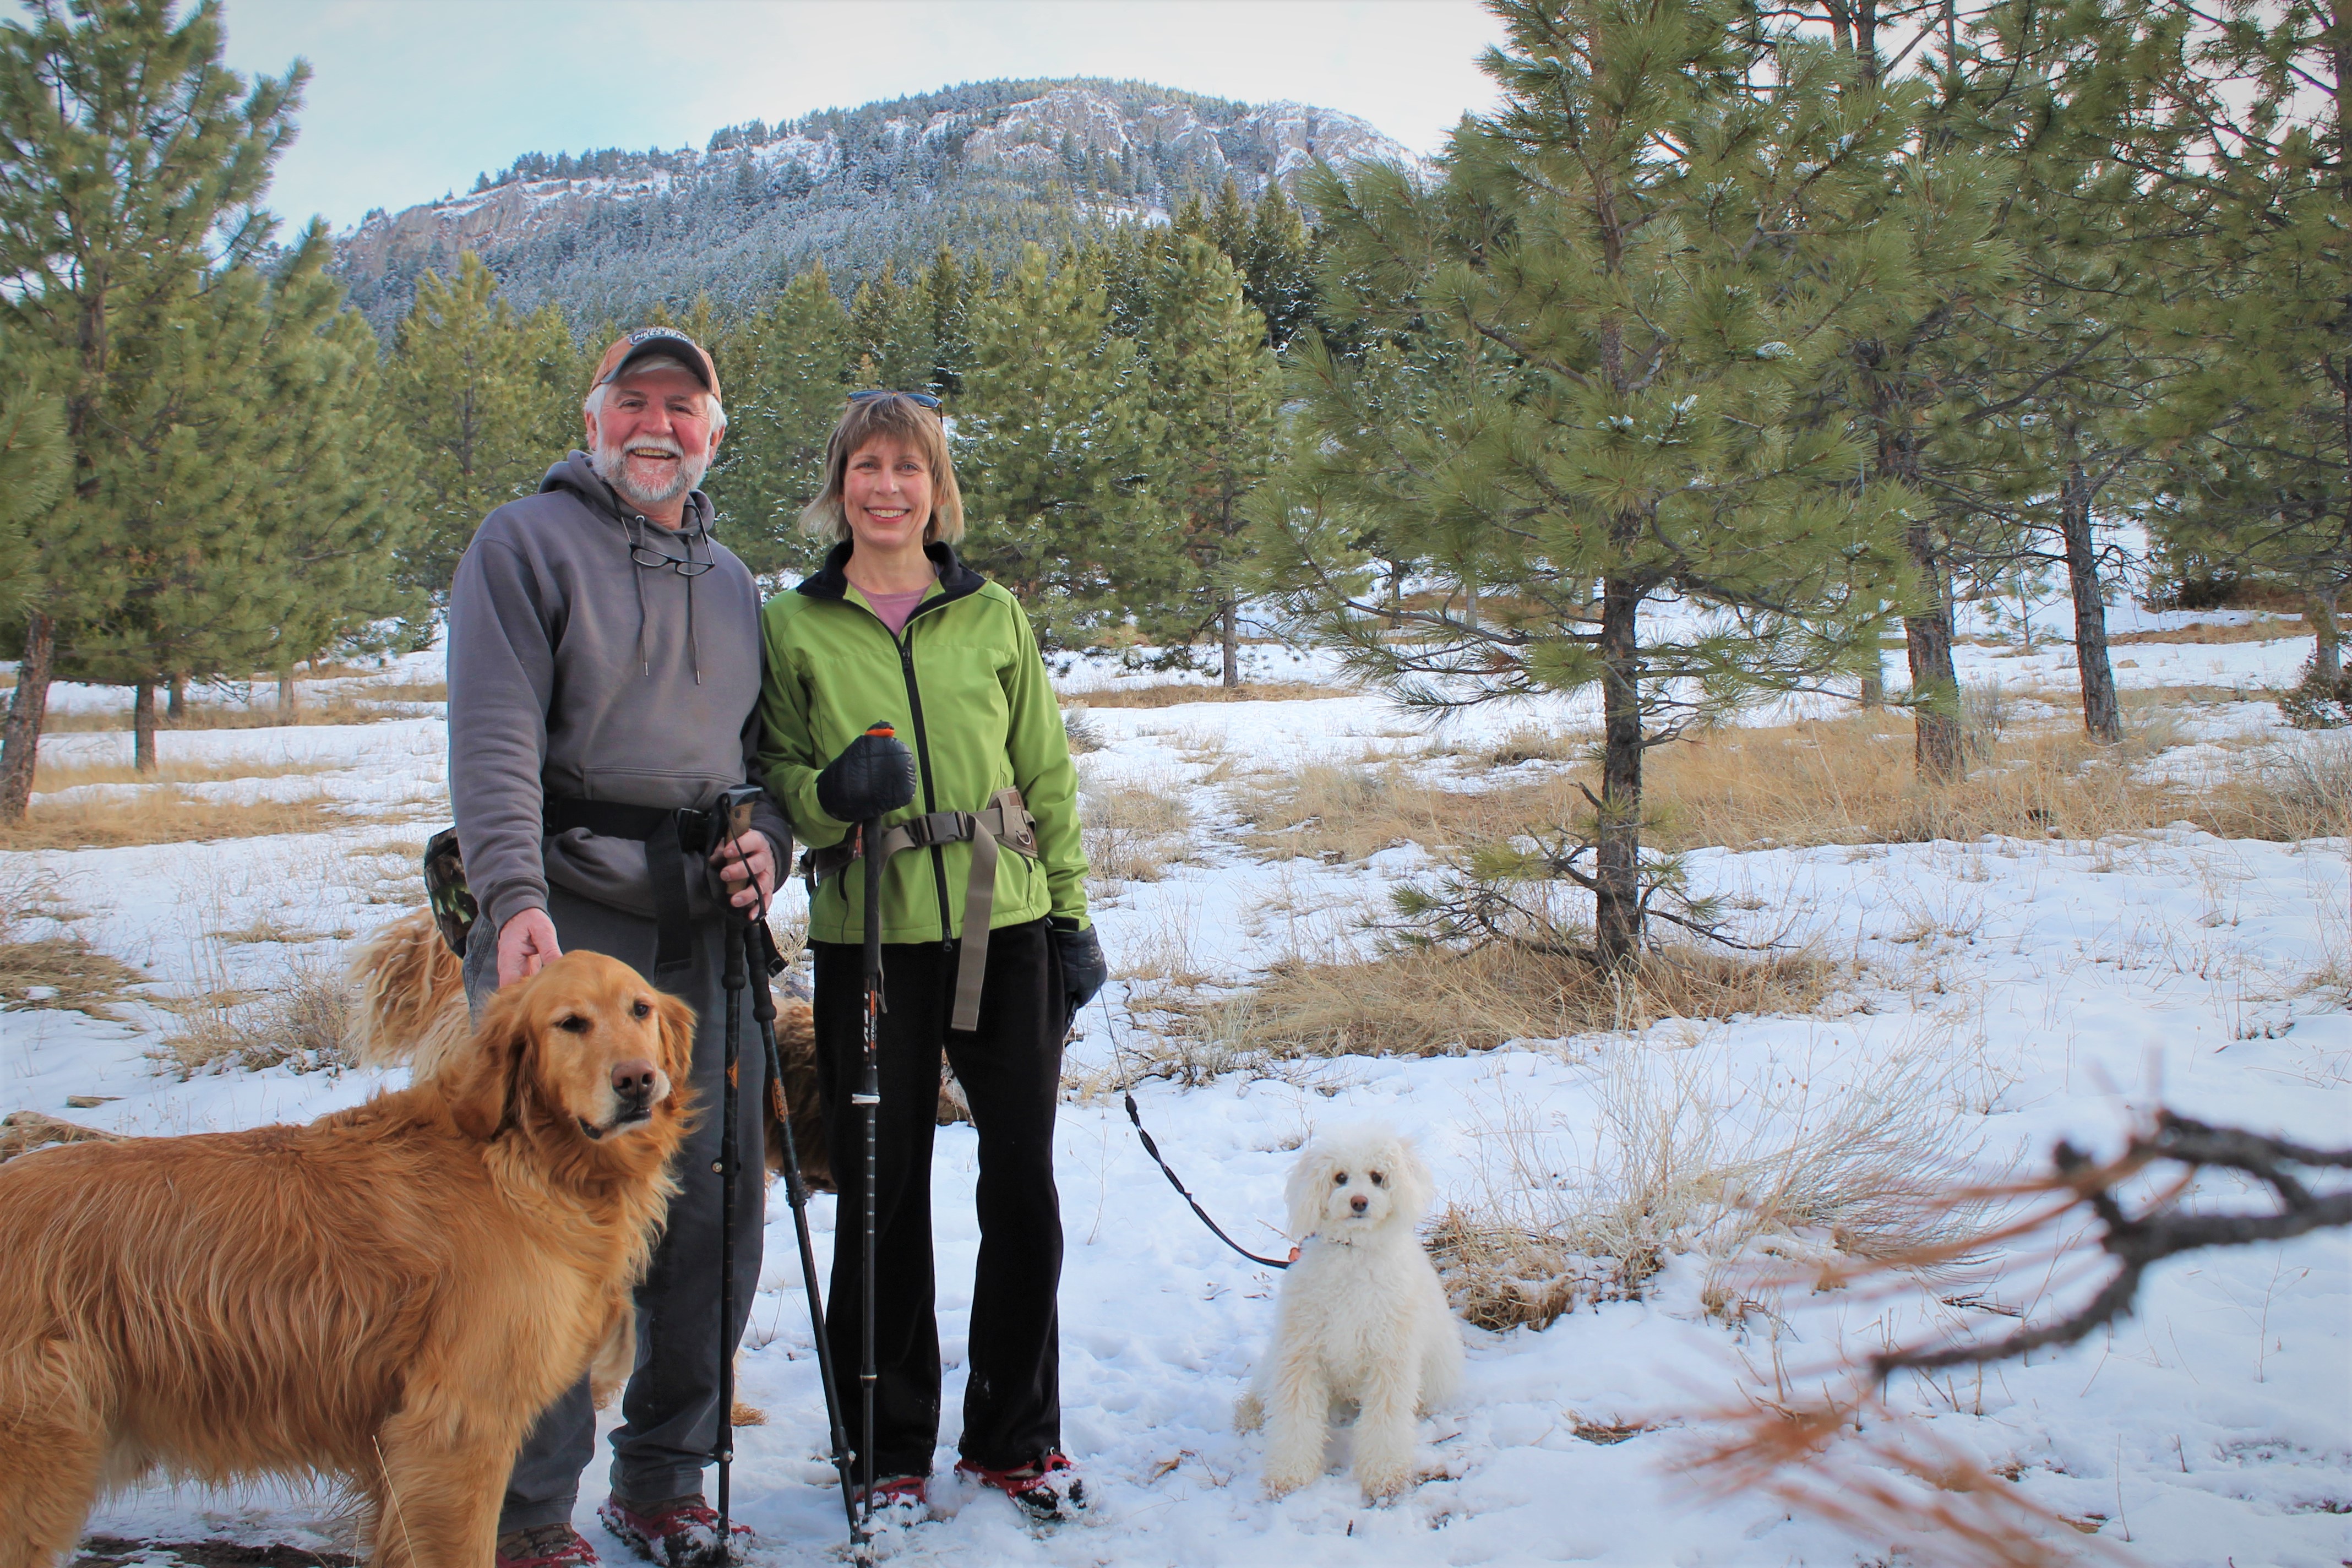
x,y
1005,820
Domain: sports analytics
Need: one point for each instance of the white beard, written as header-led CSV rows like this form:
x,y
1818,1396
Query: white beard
x,y
613,466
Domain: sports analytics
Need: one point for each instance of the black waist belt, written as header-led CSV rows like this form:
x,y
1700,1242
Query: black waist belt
x,y
1005,820
663,833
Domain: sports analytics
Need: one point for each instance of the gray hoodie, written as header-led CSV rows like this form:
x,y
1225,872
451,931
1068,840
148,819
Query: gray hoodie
x,y
574,671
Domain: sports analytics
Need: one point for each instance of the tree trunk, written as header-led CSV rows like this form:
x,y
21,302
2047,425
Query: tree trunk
x,y
1470,602
142,727
1935,684
2326,637
179,706
1229,633
1617,900
286,698
20,740
1874,675
2103,715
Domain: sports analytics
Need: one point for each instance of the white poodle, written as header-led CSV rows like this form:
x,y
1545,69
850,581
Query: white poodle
x,y
1362,1315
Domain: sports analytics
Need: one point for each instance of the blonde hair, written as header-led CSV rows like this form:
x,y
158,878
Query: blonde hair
x,y
892,416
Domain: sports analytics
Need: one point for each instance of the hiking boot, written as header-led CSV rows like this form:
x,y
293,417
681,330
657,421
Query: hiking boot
x,y
544,1546
682,1532
1049,1489
898,1501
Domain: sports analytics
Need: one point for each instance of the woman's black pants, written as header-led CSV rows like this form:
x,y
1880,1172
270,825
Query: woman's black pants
x,y
1011,1071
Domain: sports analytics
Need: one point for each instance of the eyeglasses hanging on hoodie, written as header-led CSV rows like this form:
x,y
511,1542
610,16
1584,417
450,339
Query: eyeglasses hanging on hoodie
x,y
644,555
647,555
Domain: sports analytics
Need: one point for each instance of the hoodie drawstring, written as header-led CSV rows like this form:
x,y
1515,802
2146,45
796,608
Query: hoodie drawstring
x,y
693,639
638,575
632,537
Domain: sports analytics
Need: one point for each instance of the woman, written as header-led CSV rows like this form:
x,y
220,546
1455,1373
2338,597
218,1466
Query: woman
x,y
894,629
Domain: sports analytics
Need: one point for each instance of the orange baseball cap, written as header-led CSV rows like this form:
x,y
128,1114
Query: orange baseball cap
x,y
647,343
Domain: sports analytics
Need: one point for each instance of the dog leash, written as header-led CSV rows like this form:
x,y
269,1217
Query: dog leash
x,y
1152,1149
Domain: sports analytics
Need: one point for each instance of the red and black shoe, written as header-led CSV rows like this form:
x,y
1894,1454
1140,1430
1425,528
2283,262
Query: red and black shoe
x,y
543,1546
1049,1489
896,1501
682,1532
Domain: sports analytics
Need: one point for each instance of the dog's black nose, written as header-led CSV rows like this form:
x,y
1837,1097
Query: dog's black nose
x,y
634,1080
1359,1203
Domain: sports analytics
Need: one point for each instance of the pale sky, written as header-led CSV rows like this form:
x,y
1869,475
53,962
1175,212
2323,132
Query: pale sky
x,y
409,98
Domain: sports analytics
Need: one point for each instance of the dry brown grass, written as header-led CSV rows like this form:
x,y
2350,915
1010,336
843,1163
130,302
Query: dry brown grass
x,y
1133,833
368,705
2263,629
23,1132
303,1019
1851,781
1843,781
1751,1175
1430,1001
55,968
1335,811
54,776
1175,693
169,814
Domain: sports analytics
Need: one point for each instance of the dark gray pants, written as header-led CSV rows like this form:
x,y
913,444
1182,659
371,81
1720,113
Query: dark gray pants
x,y
671,1409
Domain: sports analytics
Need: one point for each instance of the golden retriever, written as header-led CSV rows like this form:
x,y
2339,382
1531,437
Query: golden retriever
x,y
412,991
388,1295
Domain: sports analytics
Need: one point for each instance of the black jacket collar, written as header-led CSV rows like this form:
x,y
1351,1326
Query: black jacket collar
x,y
831,582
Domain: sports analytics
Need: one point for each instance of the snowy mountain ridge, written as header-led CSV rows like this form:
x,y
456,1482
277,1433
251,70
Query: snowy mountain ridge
x,y
985,166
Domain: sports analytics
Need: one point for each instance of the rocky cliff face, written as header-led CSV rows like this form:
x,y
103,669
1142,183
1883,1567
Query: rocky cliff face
x,y
983,167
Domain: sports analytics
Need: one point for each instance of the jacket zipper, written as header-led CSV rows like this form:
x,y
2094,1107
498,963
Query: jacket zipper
x,y
923,764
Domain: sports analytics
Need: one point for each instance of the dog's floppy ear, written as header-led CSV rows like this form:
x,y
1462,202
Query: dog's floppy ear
x,y
487,1098
1303,1193
677,1043
1415,1186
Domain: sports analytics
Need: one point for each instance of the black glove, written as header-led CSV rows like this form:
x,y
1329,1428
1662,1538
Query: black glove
x,y
873,775
1083,969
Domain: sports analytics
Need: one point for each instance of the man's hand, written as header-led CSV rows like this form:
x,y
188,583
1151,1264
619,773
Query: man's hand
x,y
747,866
526,946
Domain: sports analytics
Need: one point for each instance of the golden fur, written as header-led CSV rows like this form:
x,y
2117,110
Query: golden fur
x,y
387,1297
413,1006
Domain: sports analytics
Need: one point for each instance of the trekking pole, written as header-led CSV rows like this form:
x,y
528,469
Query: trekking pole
x,y
734,815
869,1096
764,961
730,1157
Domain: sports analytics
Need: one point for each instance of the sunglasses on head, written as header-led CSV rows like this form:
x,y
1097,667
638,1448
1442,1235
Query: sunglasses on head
x,y
923,399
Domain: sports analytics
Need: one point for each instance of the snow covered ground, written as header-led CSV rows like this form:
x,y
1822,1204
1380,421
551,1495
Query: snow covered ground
x,y
2020,991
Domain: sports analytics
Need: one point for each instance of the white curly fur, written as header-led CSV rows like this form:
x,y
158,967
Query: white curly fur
x,y
1361,1318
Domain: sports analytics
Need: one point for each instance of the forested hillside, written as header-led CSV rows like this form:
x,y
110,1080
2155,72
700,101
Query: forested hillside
x,y
985,168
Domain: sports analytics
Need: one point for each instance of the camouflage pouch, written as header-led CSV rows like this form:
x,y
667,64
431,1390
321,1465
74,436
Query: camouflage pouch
x,y
454,910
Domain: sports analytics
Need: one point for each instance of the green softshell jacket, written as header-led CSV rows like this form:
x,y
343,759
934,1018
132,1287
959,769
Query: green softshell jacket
x,y
965,687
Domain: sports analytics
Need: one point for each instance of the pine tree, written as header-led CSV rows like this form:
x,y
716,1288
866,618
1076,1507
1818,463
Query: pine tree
x,y
946,290
1935,255
1617,398
339,497
1277,265
35,466
135,161
2066,370
2251,141
786,373
476,402
892,336
268,494
1214,386
1054,442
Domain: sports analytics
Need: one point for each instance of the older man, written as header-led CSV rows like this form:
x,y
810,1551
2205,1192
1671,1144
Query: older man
x,y
603,689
